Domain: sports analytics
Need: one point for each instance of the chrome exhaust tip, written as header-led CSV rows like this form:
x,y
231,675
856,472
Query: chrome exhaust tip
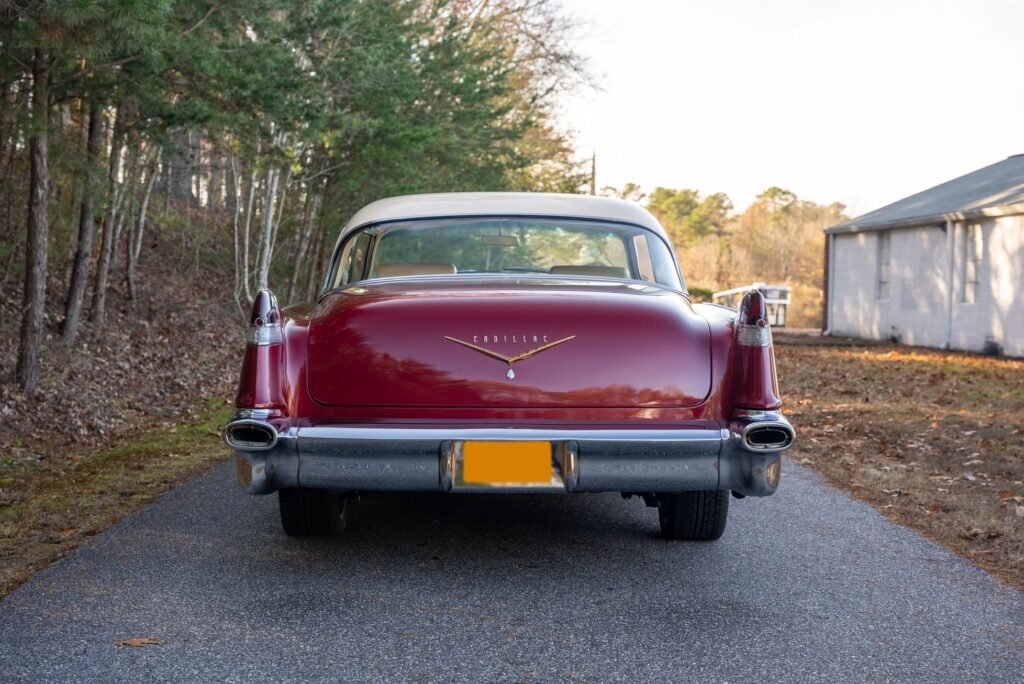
x,y
250,435
768,437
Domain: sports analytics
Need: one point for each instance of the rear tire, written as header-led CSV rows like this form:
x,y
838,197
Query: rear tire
x,y
313,512
693,516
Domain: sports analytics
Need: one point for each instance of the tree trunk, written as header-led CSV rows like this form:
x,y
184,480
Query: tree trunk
x,y
315,272
195,140
136,173
133,246
86,230
233,191
127,206
245,285
215,185
154,174
99,295
181,167
312,269
267,234
328,215
11,104
280,211
34,297
313,199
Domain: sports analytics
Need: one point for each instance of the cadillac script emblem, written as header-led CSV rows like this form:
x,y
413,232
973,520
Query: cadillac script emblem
x,y
511,374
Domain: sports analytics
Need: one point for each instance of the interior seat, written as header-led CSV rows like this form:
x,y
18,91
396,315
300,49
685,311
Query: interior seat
x,y
589,270
398,269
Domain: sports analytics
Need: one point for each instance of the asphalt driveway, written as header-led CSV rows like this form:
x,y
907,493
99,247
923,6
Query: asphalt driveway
x,y
808,585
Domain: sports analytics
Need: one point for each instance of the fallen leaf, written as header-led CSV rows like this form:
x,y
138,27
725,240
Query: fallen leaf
x,y
969,477
976,533
140,642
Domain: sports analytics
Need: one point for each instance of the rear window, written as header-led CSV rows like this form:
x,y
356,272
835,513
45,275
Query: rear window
x,y
466,247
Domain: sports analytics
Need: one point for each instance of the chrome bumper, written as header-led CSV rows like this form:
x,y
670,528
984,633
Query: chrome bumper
x,y
741,457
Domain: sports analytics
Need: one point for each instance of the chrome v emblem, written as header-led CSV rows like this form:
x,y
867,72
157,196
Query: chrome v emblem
x,y
511,374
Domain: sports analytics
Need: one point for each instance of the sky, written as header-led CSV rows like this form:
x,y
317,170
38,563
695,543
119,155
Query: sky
x,y
861,102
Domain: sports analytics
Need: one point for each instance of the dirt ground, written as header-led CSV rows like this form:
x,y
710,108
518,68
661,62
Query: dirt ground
x,y
119,419
933,439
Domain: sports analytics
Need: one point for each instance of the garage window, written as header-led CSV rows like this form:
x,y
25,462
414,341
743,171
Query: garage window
x,y
973,243
883,264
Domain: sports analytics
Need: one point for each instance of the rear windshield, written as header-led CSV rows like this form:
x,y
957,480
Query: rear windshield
x,y
474,246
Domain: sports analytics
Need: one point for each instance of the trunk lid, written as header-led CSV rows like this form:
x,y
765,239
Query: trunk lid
x,y
451,343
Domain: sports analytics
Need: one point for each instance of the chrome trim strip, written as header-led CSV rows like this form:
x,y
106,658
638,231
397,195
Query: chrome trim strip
x,y
256,414
392,434
753,336
263,334
757,414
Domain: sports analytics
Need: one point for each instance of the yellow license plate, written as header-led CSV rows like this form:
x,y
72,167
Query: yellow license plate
x,y
506,463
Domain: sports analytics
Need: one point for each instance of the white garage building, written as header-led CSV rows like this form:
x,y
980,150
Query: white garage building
x,y
942,268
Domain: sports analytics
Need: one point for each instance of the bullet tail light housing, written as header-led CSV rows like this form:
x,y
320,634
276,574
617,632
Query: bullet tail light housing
x,y
756,386
260,384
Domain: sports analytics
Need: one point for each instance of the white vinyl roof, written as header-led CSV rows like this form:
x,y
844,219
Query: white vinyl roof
x,y
995,190
444,205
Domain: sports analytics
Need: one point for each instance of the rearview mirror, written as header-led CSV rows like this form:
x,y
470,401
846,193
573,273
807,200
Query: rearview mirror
x,y
500,240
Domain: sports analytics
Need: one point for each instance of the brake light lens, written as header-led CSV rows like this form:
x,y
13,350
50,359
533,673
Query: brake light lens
x,y
756,385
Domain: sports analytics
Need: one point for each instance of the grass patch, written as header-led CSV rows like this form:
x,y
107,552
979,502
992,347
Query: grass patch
x,y
934,440
47,512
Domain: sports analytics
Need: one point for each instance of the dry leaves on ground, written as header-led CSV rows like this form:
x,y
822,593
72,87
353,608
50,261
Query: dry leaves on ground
x,y
934,439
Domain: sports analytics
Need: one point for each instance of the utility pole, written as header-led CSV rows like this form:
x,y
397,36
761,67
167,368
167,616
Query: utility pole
x,y
593,173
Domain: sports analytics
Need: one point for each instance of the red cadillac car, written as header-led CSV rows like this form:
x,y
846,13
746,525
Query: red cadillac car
x,y
508,342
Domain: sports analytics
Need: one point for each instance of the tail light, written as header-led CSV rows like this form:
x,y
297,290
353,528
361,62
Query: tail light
x,y
260,383
756,387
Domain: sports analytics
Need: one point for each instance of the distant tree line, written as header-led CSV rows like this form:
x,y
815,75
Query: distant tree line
x,y
278,118
777,239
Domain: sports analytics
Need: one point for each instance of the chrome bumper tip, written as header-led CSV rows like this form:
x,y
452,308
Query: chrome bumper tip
x,y
265,460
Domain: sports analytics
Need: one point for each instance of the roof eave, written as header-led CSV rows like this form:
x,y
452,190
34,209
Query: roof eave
x,y
936,220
